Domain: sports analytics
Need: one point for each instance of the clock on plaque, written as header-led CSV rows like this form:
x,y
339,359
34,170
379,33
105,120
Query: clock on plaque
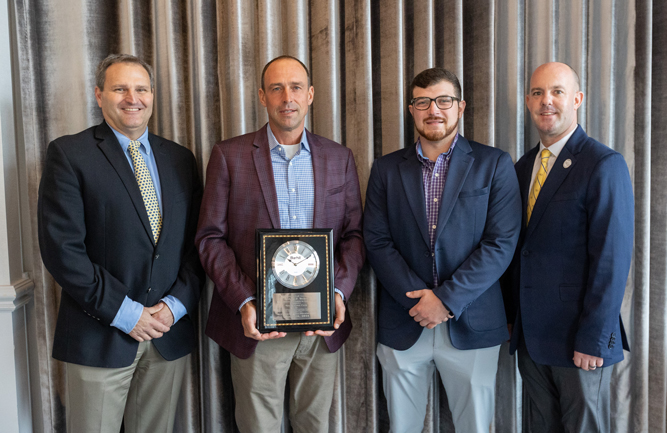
x,y
295,290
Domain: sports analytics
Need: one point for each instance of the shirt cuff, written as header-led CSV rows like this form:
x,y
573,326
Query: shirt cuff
x,y
340,293
251,298
128,315
176,306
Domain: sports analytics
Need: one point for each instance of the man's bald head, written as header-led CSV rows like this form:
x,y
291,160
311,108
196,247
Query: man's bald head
x,y
553,100
561,69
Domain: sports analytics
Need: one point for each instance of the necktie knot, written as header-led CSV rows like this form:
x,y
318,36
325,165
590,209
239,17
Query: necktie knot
x,y
546,153
134,145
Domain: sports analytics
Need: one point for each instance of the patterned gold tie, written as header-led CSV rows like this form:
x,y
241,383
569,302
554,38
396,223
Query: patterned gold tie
x,y
147,189
539,181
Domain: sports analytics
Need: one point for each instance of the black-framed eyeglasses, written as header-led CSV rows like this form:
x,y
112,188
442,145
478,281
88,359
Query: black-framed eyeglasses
x,y
442,102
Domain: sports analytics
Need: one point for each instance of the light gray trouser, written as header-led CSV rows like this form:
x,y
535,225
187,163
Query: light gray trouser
x,y
469,378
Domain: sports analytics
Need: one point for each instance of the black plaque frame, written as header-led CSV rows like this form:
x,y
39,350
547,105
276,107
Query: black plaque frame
x,y
267,242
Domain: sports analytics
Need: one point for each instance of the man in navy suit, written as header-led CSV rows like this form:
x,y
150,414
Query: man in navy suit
x,y
569,273
118,210
442,221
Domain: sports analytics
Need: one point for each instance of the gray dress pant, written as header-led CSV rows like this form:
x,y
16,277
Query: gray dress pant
x,y
566,399
468,376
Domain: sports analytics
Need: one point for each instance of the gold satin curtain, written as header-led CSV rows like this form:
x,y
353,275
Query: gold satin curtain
x,y
208,56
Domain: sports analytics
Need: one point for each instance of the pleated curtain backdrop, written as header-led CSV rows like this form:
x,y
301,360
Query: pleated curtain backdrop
x,y
208,57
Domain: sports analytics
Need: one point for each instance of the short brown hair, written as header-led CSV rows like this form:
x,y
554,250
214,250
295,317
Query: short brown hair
x,y
261,84
429,77
111,59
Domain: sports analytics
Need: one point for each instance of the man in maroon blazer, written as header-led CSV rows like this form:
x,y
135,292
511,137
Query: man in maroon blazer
x,y
281,176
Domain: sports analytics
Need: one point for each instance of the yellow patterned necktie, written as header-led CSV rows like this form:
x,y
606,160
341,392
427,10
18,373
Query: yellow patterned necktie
x,y
539,182
147,189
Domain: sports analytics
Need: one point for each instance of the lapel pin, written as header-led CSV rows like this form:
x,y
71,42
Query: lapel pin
x,y
567,163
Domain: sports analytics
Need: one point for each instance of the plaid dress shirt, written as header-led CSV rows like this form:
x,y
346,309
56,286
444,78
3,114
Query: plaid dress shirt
x,y
434,175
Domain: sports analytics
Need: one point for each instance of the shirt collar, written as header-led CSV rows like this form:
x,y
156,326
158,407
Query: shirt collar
x,y
125,141
273,141
558,146
420,153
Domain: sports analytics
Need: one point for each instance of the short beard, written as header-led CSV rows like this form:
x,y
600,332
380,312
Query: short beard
x,y
440,135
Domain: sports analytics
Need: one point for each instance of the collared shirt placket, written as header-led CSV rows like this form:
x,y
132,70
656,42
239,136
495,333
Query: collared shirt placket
x,y
434,175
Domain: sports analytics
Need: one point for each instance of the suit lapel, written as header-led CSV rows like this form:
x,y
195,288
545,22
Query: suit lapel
x,y
554,180
459,166
319,162
411,176
261,156
114,153
167,183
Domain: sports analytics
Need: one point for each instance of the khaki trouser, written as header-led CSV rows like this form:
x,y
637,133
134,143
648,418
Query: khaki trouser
x,y
259,385
144,393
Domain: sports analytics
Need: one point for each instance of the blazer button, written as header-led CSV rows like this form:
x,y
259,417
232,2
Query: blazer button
x,y
525,253
149,290
157,256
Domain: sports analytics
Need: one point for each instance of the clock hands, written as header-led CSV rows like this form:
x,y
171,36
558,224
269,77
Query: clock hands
x,y
297,263
302,260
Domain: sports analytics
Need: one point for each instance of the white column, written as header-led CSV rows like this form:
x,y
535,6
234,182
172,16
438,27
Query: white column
x,y
16,288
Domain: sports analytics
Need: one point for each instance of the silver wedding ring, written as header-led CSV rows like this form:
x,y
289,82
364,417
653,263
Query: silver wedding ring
x,y
592,367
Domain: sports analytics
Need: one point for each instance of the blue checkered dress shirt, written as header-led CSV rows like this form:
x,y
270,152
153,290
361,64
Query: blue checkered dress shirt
x,y
294,182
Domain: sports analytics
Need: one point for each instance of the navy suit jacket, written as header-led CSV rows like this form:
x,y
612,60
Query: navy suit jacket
x,y
96,241
568,276
477,231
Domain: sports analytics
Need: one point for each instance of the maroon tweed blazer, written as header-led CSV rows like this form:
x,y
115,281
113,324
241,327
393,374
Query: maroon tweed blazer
x,y
240,196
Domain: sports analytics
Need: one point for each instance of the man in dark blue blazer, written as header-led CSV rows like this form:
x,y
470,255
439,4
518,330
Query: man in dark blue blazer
x,y
442,220
118,210
569,273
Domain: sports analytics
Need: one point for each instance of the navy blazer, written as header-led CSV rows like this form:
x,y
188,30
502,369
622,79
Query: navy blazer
x,y
568,276
96,241
477,231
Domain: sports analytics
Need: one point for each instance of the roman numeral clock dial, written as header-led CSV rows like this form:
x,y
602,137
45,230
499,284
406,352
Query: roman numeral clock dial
x,y
295,264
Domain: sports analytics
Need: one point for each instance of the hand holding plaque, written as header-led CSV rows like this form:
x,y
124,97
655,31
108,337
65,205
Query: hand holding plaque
x,y
295,280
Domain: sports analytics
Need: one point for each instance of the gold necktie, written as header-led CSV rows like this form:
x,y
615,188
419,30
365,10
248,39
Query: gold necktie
x,y
147,189
539,181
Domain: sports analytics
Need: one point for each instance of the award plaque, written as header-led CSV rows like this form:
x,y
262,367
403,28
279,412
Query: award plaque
x,y
295,290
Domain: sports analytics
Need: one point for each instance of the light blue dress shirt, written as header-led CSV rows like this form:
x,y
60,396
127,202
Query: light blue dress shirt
x,y
130,311
295,187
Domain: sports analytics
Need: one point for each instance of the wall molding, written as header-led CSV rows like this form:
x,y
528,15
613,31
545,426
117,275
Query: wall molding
x,y
16,295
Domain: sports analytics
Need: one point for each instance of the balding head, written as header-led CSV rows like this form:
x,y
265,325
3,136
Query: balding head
x,y
553,100
560,69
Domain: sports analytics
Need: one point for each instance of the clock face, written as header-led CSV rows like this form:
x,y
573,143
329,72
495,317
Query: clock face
x,y
295,264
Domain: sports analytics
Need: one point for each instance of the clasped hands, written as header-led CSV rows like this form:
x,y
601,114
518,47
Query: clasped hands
x,y
153,323
429,311
249,321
